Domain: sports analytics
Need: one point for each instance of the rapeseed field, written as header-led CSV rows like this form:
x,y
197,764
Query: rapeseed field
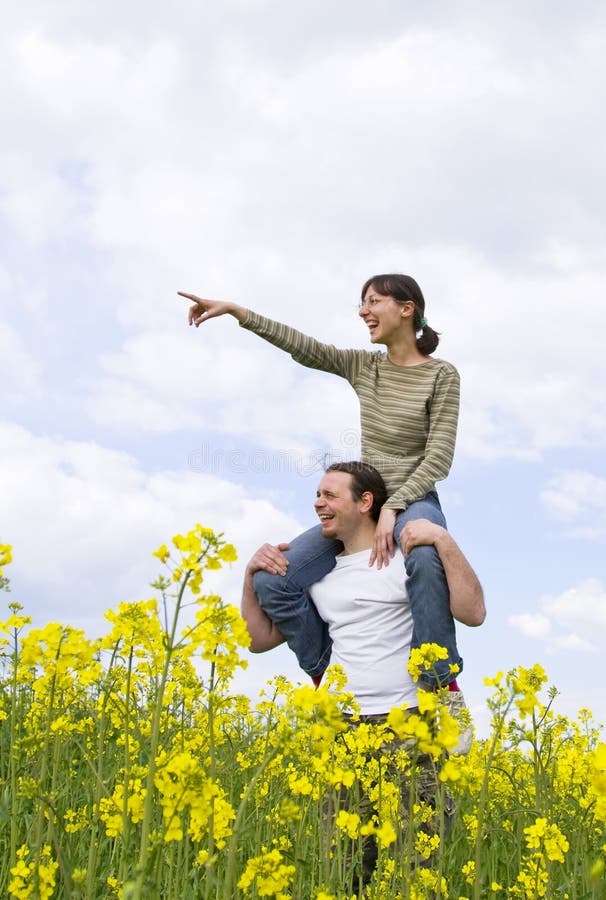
x,y
129,768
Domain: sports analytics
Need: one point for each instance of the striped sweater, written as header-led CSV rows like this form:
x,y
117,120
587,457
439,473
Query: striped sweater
x,y
408,414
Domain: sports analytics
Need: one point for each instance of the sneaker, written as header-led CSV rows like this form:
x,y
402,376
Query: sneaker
x,y
457,708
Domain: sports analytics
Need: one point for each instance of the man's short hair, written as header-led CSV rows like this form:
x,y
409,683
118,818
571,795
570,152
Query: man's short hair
x,y
364,478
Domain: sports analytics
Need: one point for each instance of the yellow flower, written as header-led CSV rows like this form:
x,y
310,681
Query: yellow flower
x,y
386,834
428,701
228,553
494,682
348,822
14,622
268,873
526,683
35,878
163,553
76,820
469,871
423,658
452,769
598,780
115,885
426,844
6,556
548,836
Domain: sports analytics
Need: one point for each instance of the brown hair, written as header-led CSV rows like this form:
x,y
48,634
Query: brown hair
x,y
403,289
364,478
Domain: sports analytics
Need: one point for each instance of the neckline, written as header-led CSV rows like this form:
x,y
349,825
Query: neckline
x,y
345,556
420,365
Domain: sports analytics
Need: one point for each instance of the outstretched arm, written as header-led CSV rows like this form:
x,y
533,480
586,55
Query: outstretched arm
x,y
263,633
303,349
466,594
208,309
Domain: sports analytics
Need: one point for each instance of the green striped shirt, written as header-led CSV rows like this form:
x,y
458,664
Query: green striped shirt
x,y
408,414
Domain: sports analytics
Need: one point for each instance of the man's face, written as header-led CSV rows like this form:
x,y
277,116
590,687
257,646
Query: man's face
x,y
339,513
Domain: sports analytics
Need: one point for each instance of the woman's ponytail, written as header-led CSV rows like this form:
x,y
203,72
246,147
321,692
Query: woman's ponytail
x,y
427,340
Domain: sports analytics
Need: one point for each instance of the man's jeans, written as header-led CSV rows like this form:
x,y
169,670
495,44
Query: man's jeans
x,y
419,791
311,556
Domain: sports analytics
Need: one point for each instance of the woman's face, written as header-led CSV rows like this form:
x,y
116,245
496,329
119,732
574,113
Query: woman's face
x,y
384,316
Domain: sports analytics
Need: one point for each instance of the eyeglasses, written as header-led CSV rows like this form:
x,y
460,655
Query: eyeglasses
x,y
370,301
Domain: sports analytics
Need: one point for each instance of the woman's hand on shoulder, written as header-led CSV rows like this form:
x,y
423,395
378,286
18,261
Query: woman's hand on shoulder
x,y
269,558
420,532
203,309
383,547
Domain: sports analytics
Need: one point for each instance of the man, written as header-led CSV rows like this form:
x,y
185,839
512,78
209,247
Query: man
x,y
365,608
368,615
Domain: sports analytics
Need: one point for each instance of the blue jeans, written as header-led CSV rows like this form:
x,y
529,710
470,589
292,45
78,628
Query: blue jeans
x,y
428,593
311,556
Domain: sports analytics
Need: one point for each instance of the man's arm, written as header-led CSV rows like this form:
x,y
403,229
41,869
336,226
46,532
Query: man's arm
x,y
466,594
263,633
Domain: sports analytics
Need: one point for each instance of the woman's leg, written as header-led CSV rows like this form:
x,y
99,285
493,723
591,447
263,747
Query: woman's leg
x,y
428,594
286,601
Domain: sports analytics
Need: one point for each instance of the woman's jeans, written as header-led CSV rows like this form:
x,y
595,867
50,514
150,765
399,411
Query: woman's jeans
x,y
311,556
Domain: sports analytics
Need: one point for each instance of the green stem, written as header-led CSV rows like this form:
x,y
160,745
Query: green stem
x,y
499,725
13,753
210,879
127,770
232,848
148,806
44,761
100,790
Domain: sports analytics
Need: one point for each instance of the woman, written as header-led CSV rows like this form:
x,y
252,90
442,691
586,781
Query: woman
x,y
409,405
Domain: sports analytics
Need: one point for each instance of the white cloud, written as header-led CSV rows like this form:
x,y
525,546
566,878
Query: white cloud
x,y
573,643
168,382
574,620
575,494
583,606
515,404
245,153
19,371
84,519
240,174
533,625
40,204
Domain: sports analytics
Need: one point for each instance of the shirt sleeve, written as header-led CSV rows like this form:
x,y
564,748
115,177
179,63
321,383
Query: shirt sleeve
x,y
441,439
306,350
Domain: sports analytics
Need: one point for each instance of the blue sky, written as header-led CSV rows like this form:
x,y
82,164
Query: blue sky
x,y
279,154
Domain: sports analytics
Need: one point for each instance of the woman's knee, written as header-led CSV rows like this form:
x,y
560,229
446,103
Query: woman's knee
x,y
266,584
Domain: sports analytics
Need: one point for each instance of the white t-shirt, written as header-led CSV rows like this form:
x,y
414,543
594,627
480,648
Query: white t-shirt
x,y
370,623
